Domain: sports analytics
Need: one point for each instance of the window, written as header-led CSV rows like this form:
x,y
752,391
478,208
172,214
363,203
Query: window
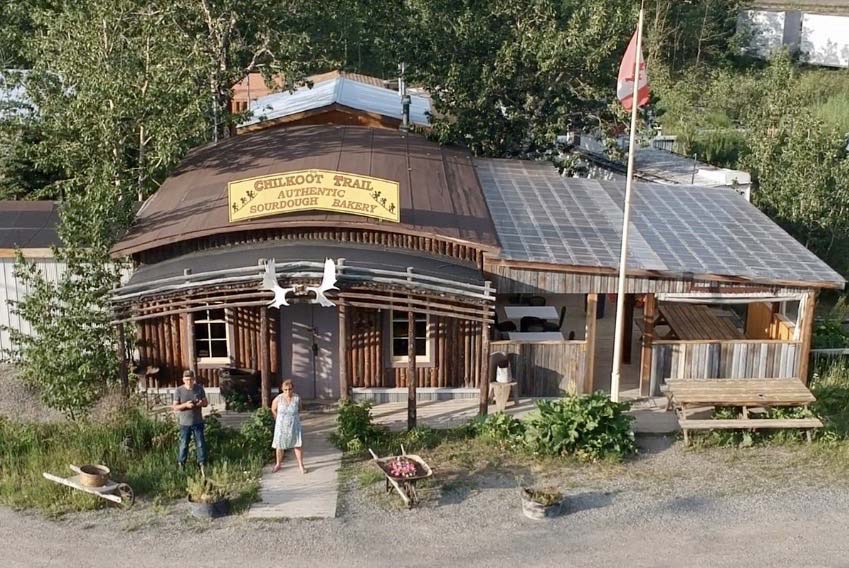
x,y
400,337
211,341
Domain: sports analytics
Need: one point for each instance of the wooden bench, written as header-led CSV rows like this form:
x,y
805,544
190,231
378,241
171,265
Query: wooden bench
x,y
685,395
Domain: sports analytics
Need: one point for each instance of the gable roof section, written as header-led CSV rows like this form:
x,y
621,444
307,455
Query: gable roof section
x,y
542,217
338,89
28,224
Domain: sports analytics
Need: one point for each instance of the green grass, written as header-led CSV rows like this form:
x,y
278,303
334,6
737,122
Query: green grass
x,y
139,450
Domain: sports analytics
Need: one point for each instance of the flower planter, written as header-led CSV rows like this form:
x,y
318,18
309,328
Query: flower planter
x,y
203,510
537,511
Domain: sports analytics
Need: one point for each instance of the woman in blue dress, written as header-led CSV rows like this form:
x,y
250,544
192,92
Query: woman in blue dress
x,y
287,425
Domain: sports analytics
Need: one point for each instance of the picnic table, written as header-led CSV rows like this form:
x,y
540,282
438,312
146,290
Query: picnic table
x,y
694,322
686,395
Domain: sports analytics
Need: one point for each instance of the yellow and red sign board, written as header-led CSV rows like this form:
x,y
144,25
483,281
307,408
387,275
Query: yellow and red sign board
x,y
306,190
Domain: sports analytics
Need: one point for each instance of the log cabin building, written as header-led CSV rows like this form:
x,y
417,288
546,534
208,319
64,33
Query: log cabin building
x,y
361,260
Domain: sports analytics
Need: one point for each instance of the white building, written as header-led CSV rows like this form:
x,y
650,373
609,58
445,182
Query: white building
x,y
31,227
817,31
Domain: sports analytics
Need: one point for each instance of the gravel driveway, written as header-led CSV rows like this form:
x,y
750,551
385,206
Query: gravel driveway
x,y
711,512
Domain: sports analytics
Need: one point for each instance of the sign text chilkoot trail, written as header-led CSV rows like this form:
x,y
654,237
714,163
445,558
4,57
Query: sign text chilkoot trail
x,y
305,190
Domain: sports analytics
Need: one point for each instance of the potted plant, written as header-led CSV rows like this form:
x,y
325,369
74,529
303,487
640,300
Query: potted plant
x,y
208,499
542,503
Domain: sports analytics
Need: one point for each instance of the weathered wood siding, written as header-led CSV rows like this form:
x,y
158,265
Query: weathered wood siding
x,y
724,359
425,244
13,290
511,280
456,353
546,368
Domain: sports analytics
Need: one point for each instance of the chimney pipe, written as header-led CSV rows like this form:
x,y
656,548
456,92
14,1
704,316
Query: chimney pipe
x,y
405,99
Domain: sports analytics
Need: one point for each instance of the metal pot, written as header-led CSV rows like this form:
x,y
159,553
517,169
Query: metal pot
x,y
92,475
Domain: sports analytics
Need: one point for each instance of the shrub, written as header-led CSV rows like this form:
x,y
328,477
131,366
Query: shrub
x,y
258,431
501,428
355,431
586,426
830,385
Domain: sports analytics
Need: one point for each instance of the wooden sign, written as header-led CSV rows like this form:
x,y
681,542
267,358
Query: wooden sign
x,y
306,190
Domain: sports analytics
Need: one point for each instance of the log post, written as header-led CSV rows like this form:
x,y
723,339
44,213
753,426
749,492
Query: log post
x,y
123,371
190,343
343,351
806,328
411,368
484,376
649,311
589,338
263,357
628,335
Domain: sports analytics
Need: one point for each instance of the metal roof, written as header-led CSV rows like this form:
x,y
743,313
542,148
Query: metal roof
x,y
542,217
438,190
29,224
341,90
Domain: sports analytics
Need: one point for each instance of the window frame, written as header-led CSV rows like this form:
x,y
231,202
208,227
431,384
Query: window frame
x,y
206,319
396,361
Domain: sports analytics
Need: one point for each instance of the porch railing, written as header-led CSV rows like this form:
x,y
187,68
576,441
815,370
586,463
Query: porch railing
x,y
545,368
729,359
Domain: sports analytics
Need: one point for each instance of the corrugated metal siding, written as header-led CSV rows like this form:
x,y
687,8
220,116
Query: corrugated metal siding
x,y
13,290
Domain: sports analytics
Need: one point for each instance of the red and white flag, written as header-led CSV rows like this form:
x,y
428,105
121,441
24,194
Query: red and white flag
x,y
625,82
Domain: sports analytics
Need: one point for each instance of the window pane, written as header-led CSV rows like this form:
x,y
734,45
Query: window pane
x,y
201,349
399,329
219,348
421,329
218,330
421,346
216,314
201,331
399,347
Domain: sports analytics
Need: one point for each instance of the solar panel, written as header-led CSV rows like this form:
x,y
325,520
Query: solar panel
x,y
540,216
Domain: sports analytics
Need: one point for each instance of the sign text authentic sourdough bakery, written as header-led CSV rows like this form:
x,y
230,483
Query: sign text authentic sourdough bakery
x,y
304,190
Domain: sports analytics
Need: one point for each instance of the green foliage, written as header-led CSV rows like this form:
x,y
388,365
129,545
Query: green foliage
x,y
830,384
502,429
586,426
545,496
222,481
506,77
238,401
258,431
355,432
829,334
139,450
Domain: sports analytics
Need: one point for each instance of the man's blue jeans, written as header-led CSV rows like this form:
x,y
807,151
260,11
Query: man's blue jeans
x,y
200,443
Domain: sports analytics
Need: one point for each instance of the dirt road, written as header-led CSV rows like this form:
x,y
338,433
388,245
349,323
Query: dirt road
x,y
481,528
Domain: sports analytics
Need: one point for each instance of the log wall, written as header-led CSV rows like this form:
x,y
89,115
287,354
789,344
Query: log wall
x,y
456,351
739,359
163,342
546,368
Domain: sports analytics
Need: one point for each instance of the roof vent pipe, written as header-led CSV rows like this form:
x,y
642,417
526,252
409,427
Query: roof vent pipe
x,y
405,99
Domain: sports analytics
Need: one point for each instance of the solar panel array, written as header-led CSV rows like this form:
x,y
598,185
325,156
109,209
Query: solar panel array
x,y
541,216
28,224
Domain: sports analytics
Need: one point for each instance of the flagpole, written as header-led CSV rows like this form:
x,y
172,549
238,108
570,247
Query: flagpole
x,y
623,256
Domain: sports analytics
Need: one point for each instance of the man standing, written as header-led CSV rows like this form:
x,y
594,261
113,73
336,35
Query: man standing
x,y
188,401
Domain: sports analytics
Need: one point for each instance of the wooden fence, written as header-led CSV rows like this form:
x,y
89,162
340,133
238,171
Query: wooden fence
x,y
731,359
546,368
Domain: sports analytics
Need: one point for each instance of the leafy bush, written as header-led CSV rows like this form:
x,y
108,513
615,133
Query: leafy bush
x,y
829,334
501,428
258,431
586,426
355,431
830,385
224,481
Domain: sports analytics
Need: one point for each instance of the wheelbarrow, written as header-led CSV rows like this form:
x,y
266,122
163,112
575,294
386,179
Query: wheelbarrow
x,y
94,479
406,485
